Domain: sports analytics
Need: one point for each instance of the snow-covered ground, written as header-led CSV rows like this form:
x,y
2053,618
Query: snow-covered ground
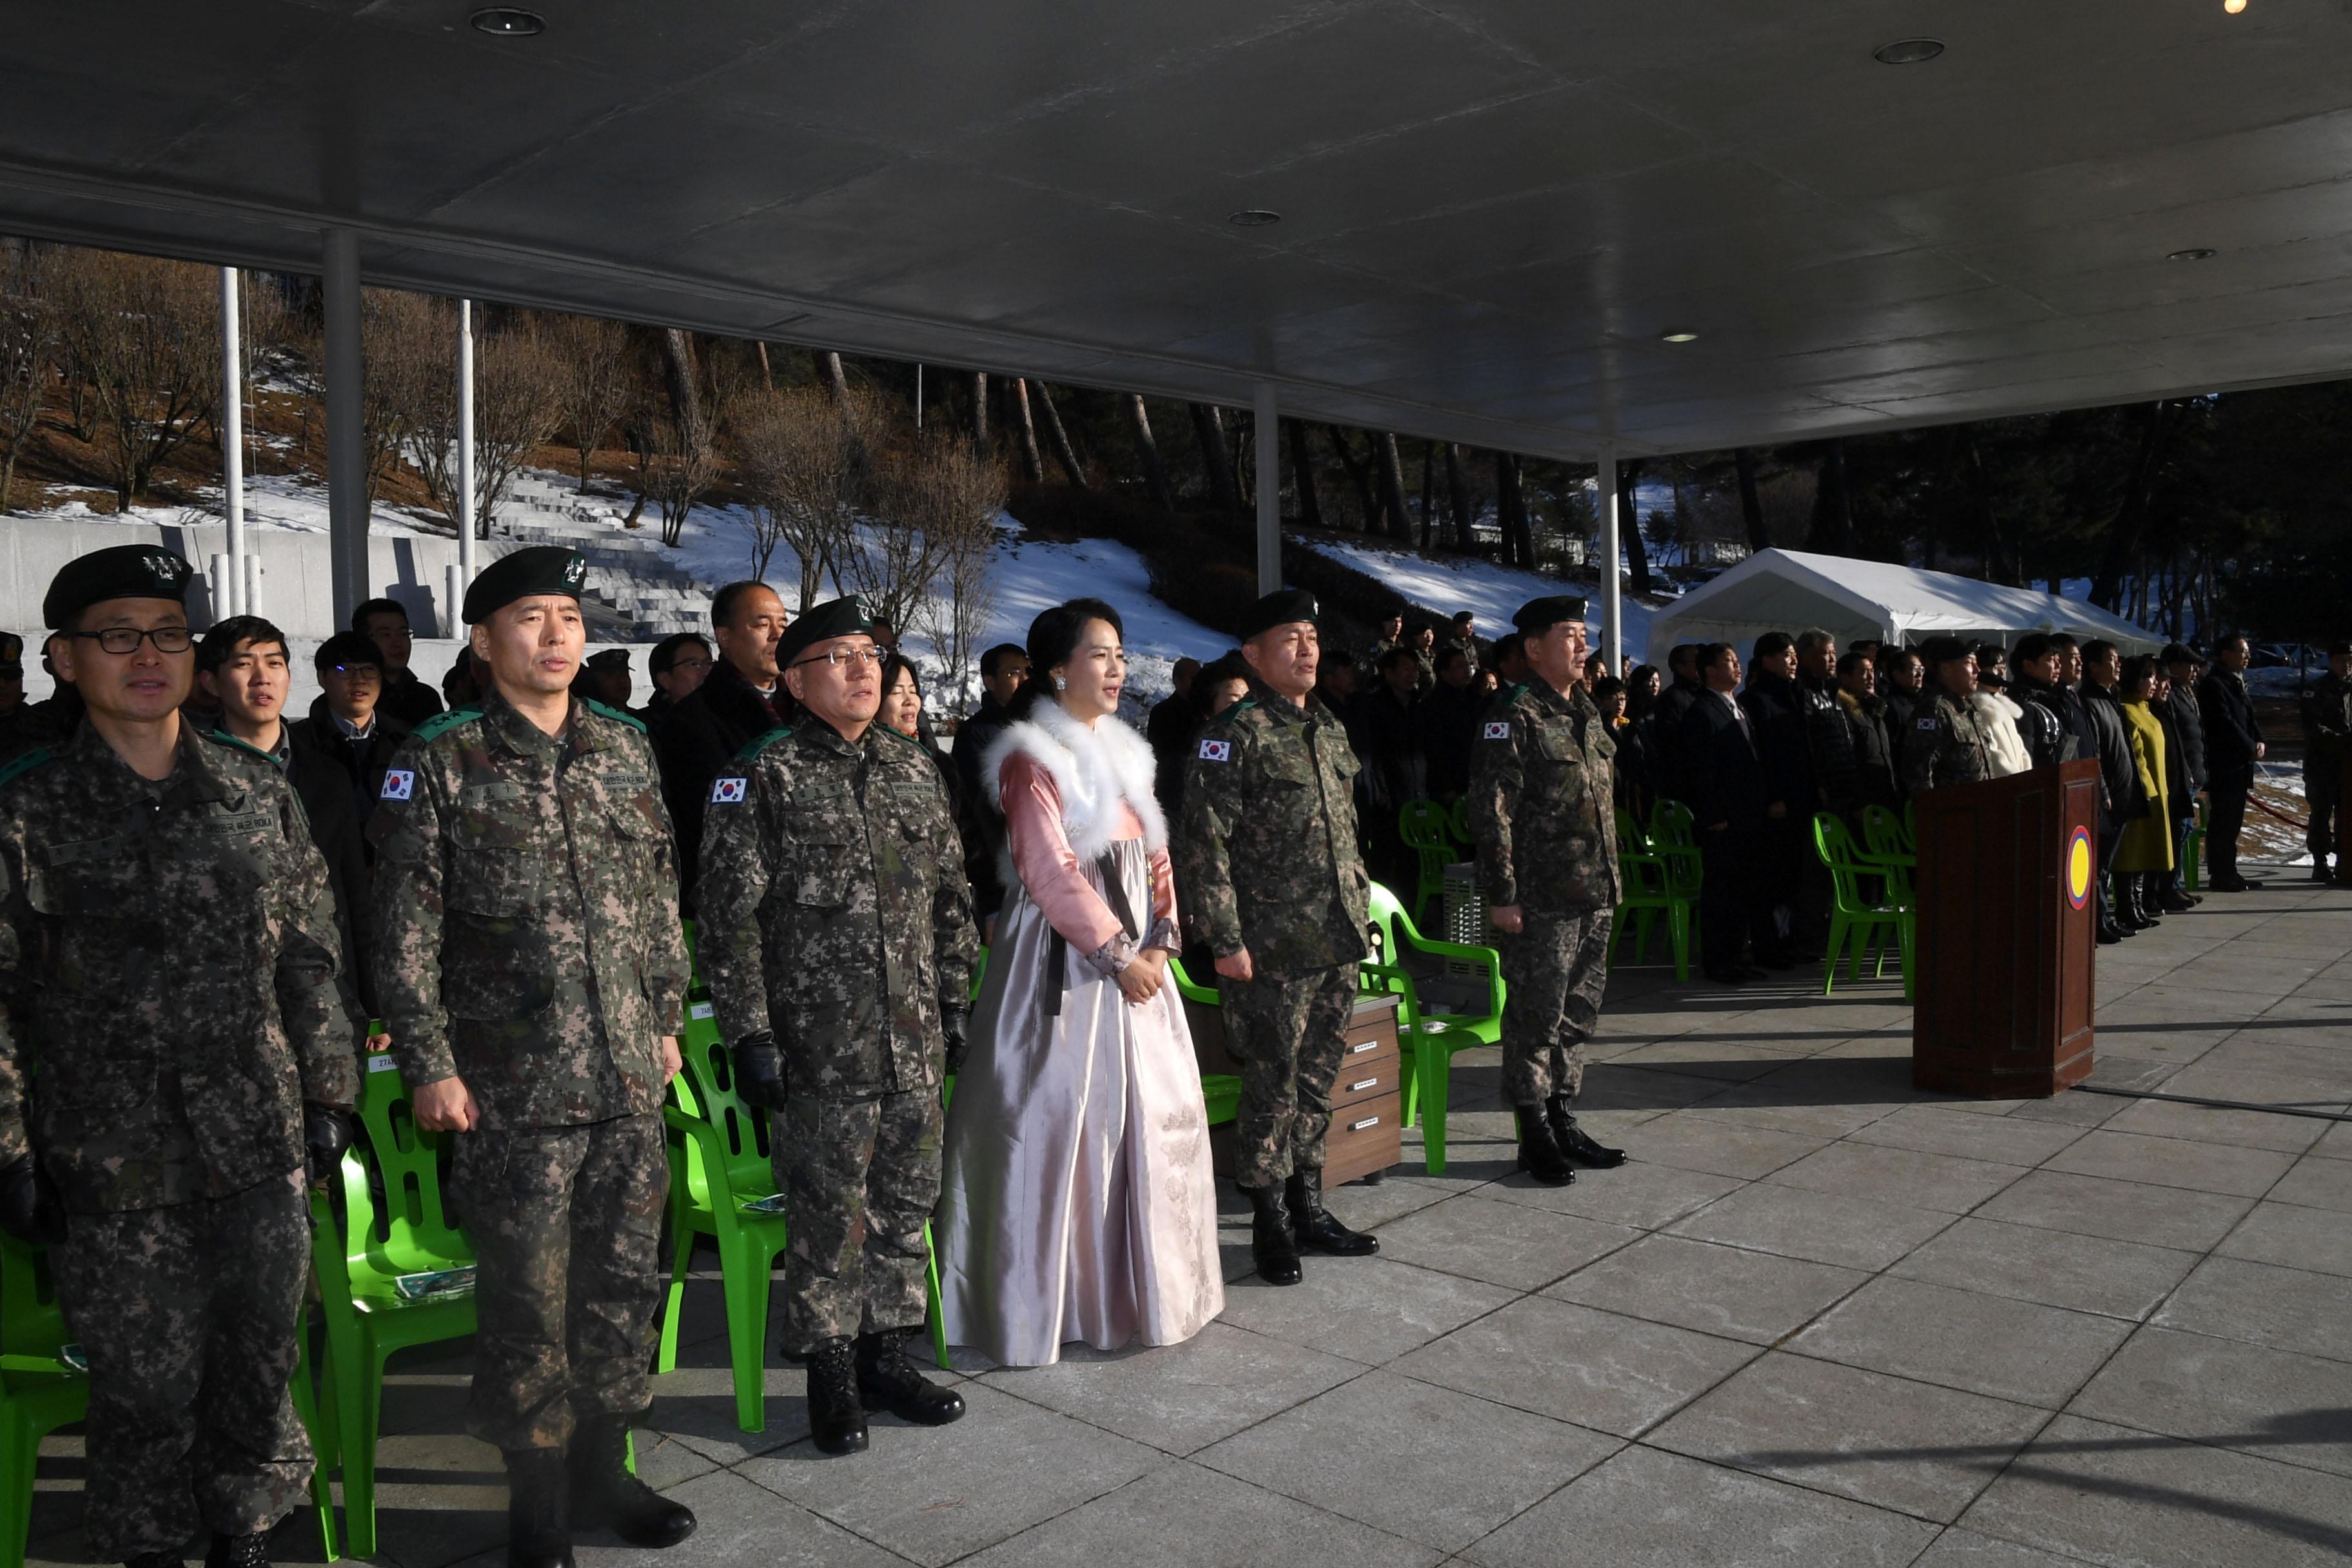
x,y
1449,584
293,503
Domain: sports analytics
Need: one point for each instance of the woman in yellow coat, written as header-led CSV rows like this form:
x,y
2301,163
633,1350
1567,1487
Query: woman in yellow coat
x,y
2144,859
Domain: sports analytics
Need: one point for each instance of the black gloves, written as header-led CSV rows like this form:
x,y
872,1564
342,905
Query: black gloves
x,y
27,1209
760,1071
952,1022
326,1133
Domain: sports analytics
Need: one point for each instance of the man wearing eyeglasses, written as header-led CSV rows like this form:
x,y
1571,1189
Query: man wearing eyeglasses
x,y
348,728
167,953
385,623
835,934
532,973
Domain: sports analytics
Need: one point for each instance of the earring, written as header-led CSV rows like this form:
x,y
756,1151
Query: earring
x,y
1061,683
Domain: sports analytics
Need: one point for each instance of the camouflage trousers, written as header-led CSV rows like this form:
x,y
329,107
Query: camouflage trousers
x,y
1286,1033
188,1316
860,1175
1556,969
566,1227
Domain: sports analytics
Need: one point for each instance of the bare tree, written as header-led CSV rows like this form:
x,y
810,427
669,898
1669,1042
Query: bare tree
x,y
598,378
924,559
1033,468
805,456
1155,472
1209,431
1392,471
146,334
674,432
29,350
1302,474
519,388
1060,438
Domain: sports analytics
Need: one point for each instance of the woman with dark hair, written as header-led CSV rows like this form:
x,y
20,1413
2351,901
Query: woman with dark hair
x,y
902,710
1077,1201
2144,856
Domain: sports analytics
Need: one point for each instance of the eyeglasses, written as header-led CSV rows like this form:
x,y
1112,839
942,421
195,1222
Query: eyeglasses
x,y
871,657
126,639
357,669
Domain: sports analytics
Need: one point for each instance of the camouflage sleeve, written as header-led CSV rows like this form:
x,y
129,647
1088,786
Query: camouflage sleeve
x,y
16,952
673,967
1212,807
953,933
1497,778
1926,739
407,912
735,840
314,1002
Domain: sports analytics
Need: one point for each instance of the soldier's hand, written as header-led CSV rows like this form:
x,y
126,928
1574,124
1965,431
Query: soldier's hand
x,y
25,1208
760,1071
326,1133
1507,917
1237,967
444,1105
1140,981
955,1023
672,1063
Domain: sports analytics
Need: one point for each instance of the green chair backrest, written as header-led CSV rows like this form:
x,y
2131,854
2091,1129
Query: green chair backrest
x,y
1423,824
1846,868
1630,837
1392,929
1881,831
411,1232
1671,823
707,1090
1458,820
1191,989
31,1323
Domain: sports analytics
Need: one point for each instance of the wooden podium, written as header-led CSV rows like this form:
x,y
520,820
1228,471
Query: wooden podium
x,y
2007,921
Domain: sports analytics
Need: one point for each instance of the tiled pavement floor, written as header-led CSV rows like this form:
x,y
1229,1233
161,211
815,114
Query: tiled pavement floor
x,y
1820,1318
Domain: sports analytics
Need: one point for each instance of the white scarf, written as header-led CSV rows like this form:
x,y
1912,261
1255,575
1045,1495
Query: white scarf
x,y
1094,770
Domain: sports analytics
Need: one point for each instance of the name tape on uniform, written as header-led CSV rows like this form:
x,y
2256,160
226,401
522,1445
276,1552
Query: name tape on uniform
x,y
399,784
1499,730
728,792
1216,750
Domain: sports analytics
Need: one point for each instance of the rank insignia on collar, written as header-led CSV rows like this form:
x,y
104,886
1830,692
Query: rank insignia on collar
x,y
1216,750
1499,730
726,792
399,784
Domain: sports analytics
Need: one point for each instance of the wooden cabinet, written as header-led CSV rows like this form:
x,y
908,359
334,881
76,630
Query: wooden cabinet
x,y
1367,1101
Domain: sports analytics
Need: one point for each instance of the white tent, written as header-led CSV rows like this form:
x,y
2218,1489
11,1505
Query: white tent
x,y
1789,591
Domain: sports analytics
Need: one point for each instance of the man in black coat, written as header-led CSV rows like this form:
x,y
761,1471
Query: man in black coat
x,y
1448,717
2043,723
2119,787
2233,745
1683,689
740,700
1791,794
2187,666
385,623
1002,668
1169,728
346,728
1724,769
1396,769
1901,678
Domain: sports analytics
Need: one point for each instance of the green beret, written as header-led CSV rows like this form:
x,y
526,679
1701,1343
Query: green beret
x,y
542,569
1538,616
823,623
117,572
1280,608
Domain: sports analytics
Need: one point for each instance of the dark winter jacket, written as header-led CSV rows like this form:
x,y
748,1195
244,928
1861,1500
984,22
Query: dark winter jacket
x,y
1725,768
407,699
1665,724
1874,776
2118,773
2231,734
2046,722
2188,727
1829,742
981,824
693,747
1771,703
360,763
1448,720
2327,726
325,789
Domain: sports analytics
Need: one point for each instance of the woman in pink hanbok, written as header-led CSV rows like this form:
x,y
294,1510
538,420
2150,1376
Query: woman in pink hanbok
x,y
1077,1202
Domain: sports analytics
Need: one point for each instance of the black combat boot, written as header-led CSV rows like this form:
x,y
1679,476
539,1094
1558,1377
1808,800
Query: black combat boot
x,y
603,1492
1272,1244
234,1552
1539,1154
1314,1227
889,1381
836,1417
1574,1141
538,1509
2144,901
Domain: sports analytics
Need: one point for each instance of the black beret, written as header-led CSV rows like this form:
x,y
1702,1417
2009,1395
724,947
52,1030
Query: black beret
x,y
823,623
1280,608
12,648
117,572
611,658
542,569
1538,616
2339,648
348,648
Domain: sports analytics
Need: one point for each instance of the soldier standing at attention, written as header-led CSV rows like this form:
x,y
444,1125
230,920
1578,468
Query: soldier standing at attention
x,y
1543,813
835,934
167,957
1947,743
1279,894
531,967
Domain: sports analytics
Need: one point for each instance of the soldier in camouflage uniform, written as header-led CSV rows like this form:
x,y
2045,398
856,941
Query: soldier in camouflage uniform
x,y
837,941
531,971
1275,883
1542,810
1947,743
167,985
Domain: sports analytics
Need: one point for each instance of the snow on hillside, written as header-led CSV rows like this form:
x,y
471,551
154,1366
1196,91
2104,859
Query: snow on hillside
x,y
1445,586
293,503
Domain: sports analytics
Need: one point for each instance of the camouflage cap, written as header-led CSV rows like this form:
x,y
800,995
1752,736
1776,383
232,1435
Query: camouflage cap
x,y
823,623
117,572
1538,616
1280,608
542,569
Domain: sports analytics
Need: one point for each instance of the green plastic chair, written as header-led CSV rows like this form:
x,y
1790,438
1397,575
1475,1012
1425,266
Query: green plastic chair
x,y
1430,1039
2191,845
1221,1093
1650,890
1674,839
360,1264
1457,822
1428,832
1857,916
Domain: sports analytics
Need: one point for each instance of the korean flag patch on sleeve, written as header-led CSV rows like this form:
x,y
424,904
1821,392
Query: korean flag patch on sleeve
x,y
399,784
1216,750
1928,724
726,792
1500,730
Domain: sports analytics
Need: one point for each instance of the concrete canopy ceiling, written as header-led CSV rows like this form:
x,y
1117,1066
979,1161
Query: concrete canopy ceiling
x,y
1491,209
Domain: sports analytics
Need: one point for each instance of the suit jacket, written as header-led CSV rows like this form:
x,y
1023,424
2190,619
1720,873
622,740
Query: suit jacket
x,y
2231,732
1777,722
2189,726
695,743
2117,770
1723,768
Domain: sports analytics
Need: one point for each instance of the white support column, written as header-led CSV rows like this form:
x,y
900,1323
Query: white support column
x,y
1612,608
347,501
231,584
1269,490
467,500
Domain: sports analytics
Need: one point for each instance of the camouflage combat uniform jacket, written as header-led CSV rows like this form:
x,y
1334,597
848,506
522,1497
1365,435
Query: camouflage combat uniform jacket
x,y
527,936
834,908
1542,807
1946,744
1268,853
167,965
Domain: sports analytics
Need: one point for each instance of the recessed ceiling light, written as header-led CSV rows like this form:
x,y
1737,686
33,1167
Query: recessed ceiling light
x,y
1678,337
1254,218
2196,253
2233,6
507,22
1908,51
